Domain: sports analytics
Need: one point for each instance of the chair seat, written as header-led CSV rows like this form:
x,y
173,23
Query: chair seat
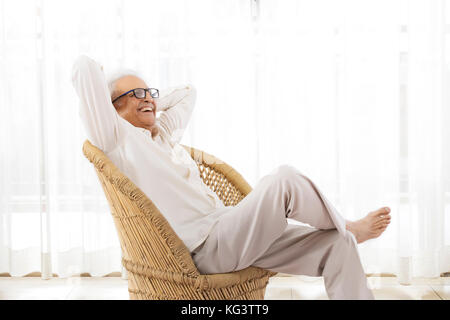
x,y
159,264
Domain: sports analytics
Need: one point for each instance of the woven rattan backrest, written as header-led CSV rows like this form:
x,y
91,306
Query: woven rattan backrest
x,y
220,177
146,238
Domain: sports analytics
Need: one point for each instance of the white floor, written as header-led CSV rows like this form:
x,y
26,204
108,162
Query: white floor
x,y
279,287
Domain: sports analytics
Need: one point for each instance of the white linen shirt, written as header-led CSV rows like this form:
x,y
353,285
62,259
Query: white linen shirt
x,y
160,167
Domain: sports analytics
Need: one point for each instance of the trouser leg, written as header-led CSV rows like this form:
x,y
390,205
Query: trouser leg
x,y
249,229
304,201
307,251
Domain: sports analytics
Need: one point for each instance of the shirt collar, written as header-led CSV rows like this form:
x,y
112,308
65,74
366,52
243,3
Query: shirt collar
x,y
149,133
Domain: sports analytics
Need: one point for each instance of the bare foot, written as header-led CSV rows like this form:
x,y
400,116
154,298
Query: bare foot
x,y
371,226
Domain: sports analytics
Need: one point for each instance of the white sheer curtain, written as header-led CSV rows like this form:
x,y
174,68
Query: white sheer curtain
x,y
352,93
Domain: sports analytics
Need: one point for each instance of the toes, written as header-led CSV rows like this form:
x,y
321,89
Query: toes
x,y
382,223
381,212
379,231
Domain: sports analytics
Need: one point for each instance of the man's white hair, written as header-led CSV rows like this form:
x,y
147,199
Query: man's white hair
x,y
113,77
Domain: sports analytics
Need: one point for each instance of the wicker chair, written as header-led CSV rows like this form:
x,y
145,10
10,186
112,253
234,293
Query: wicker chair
x,y
159,265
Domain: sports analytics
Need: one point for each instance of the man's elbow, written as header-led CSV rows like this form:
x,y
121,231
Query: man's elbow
x,y
192,92
82,65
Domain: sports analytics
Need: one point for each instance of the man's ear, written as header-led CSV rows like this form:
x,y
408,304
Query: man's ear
x,y
117,105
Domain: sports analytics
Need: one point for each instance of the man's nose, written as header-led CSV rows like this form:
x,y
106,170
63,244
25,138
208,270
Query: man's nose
x,y
148,97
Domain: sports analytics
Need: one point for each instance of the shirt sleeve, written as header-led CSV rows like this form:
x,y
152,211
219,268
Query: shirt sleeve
x,y
104,126
176,105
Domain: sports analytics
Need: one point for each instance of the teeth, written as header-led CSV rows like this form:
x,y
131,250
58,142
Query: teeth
x,y
148,108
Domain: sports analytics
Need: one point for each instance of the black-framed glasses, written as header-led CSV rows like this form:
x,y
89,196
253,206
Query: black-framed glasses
x,y
140,93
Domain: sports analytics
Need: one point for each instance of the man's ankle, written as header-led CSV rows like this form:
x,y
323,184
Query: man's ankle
x,y
348,224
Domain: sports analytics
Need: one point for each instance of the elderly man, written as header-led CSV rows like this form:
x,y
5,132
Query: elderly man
x,y
120,119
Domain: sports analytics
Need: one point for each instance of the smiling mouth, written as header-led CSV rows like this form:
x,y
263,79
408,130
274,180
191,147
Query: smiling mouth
x,y
147,109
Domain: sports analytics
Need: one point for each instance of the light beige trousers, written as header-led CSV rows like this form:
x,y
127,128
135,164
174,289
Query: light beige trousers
x,y
256,233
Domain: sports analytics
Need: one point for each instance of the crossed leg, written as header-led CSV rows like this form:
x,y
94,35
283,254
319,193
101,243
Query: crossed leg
x,y
256,232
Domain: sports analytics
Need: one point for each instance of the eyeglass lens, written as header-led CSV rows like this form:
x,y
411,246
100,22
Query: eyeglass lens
x,y
140,93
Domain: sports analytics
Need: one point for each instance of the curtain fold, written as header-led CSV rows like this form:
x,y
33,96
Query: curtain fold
x,y
354,94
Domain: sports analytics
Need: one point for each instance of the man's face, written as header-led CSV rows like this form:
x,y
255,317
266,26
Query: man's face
x,y
129,107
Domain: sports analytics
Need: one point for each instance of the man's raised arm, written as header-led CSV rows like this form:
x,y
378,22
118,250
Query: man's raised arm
x,y
104,126
176,104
